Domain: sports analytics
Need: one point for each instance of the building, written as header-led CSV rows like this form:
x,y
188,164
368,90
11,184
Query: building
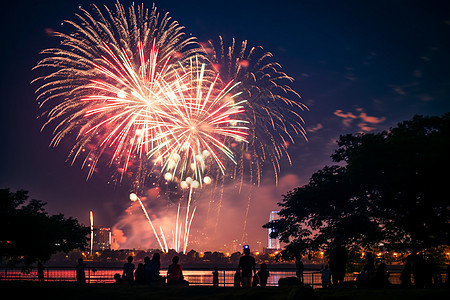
x,y
273,243
102,239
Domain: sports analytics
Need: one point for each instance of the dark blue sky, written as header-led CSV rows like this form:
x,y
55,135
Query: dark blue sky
x,y
360,66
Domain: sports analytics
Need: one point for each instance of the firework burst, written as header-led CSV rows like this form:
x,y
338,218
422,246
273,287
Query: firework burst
x,y
107,76
197,123
272,106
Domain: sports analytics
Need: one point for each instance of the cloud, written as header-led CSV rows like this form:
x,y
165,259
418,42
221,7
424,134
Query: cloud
x,y
363,120
315,128
371,120
348,117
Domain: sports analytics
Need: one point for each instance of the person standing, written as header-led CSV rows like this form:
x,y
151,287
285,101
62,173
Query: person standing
x,y
40,272
248,265
405,276
216,276
338,261
263,275
299,268
128,270
81,277
326,276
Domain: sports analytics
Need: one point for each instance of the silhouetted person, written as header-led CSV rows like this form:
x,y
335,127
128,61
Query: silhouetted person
x,y
433,273
365,277
128,270
326,277
338,260
405,276
419,271
146,261
263,275
40,272
81,277
152,268
381,279
216,276
299,268
248,266
175,272
139,274
255,280
237,279
117,278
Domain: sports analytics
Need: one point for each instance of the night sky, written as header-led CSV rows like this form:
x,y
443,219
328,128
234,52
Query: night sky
x,y
360,66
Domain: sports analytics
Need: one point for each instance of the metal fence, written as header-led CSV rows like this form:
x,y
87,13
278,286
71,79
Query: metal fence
x,y
194,276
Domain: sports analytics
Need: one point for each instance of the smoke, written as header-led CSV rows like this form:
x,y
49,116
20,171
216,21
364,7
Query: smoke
x,y
118,238
219,222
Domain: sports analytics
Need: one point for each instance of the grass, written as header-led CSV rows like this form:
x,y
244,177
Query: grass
x,y
70,290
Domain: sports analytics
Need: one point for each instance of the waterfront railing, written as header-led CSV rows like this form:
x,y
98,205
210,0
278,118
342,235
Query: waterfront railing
x,y
194,276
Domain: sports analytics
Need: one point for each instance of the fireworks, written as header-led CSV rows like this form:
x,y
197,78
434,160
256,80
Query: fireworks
x,y
136,91
196,125
271,107
107,75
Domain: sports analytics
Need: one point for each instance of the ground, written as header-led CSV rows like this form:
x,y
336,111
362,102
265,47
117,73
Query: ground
x,y
66,291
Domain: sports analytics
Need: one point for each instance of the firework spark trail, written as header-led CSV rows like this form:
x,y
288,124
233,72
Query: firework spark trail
x,y
188,231
164,240
213,192
175,236
179,233
187,224
219,207
244,230
134,197
91,217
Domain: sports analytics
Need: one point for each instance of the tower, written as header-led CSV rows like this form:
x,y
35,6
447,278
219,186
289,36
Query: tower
x,y
273,243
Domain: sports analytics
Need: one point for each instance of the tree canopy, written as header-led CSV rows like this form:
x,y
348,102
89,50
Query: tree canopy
x,y
388,187
28,234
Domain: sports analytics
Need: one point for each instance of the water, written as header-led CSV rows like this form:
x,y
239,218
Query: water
x,y
106,275
194,276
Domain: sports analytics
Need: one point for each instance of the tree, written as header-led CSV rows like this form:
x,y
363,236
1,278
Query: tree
x,y
389,187
28,234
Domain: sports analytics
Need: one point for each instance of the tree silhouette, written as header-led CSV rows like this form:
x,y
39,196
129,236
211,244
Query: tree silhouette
x,y
28,234
388,187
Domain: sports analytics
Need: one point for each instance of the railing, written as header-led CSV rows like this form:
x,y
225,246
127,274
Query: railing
x,y
194,276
